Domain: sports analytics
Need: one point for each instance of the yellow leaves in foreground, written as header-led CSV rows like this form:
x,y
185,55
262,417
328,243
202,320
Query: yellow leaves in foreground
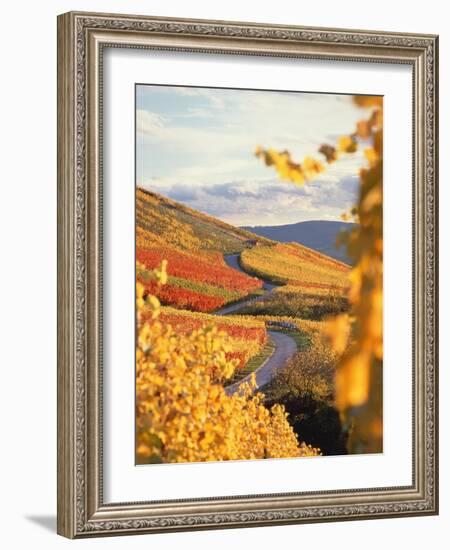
x,y
337,331
368,101
310,168
184,416
359,373
371,156
358,338
347,145
183,413
352,380
152,302
161,273
288,169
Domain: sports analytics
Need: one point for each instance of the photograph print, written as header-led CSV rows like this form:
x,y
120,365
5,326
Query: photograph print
x,y
259,274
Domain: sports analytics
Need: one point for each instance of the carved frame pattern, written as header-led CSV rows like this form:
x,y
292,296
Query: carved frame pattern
x,y
81,37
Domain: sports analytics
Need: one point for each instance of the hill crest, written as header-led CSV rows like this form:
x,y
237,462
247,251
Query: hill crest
x,y
320,235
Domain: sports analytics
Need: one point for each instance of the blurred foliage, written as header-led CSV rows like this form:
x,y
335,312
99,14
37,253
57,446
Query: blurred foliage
x,y
357,336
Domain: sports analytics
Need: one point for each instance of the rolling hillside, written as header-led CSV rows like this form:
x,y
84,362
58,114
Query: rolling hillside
x,y
168,222
198,247
295,265
239,307
320,235
193,245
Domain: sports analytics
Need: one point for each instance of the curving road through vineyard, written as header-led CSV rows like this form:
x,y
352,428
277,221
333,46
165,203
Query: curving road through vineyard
x,y
232,260
285,346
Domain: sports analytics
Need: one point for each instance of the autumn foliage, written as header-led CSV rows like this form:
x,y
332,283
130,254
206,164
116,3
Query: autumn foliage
x,y
204,268
185,355
183,413
193,244
184,298
246,335
296,265
357,336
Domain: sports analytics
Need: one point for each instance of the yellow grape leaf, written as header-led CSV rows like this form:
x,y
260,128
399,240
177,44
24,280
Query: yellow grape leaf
x,y
363,129
368,100
337,330
371,155
352,380
346,144
373,199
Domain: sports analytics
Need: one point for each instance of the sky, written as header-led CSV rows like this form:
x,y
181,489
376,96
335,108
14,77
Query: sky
x,y
196,146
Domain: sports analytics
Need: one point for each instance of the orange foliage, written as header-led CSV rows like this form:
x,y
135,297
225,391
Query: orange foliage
x,y
183,413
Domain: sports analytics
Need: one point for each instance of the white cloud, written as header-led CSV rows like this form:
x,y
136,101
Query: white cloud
x,y
197,112
203,153
212,95
267,201
149,123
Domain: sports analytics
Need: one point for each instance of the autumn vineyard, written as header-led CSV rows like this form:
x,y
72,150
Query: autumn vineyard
x,y
243,342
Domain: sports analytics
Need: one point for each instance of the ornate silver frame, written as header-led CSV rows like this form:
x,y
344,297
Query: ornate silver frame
x,y
81,39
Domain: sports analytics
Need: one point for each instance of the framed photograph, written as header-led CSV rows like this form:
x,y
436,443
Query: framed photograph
x,y
247,274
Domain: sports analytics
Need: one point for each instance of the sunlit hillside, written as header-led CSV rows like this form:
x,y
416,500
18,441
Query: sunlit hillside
x,y
296,265
265,299
164,221
193,245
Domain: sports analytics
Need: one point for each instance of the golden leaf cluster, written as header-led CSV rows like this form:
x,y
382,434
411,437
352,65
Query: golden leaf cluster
x,y
297,265
309,168
288,169
359,373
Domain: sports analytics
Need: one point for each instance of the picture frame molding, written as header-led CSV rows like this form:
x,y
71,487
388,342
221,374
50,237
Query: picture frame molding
x,y
81,40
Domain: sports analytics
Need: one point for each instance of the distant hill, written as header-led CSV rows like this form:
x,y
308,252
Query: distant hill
x,y
193,245
318,235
